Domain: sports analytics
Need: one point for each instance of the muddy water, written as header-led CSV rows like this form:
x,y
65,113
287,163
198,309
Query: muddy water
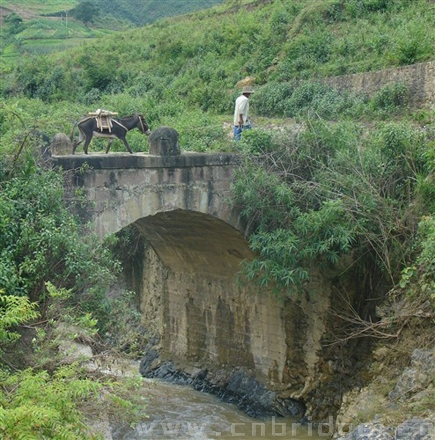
x,y
180,412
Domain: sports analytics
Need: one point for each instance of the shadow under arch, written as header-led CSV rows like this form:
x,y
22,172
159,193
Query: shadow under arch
x,y
194,242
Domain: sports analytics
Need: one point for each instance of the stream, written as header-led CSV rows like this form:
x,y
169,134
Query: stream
x,y
180,412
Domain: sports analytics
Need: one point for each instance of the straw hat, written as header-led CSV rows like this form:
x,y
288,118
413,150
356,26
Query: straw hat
x,y
247,90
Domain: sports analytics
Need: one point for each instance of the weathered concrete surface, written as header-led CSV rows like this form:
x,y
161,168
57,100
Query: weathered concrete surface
x,y
206,319
123,188
61,144
122,161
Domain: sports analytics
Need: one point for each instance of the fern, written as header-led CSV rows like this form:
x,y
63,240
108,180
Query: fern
x,y
14,310
37,405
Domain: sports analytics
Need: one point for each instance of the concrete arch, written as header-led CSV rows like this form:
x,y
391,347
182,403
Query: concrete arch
x,y
193,242
122,189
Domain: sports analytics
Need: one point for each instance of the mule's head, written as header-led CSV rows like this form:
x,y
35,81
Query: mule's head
x,y
143,126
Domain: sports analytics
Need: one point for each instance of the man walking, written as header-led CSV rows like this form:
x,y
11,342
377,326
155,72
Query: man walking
x,y
241,113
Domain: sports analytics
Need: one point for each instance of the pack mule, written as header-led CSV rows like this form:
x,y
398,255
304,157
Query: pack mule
x,y
89,127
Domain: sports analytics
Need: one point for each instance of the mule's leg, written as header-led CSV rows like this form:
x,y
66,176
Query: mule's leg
x,y
108,145
86,145
126,145
75,145
81,138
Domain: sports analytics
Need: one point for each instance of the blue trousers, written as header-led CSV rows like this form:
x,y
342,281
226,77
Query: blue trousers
x,y
238,131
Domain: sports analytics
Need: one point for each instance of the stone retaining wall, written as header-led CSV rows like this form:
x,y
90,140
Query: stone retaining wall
x,y
420,79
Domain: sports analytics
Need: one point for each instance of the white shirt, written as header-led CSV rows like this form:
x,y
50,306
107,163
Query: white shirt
x,y
241,108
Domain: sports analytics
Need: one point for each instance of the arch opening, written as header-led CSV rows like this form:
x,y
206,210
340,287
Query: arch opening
x,y
193,242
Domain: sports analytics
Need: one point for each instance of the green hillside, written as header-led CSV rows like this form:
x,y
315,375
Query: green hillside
x,y
172,69
338,181
137,12
45,27
141,12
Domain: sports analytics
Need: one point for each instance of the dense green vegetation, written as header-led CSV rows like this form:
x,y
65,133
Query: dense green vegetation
x,y
330,191
133,11
345,183
54,274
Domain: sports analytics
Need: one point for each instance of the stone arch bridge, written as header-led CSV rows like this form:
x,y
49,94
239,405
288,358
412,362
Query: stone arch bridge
x,y
187,277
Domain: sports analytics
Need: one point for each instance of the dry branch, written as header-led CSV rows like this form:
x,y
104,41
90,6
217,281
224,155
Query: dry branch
x,y
389,326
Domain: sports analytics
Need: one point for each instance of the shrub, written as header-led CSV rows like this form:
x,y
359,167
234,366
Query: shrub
x,y
41,240
270,99
314,197
256,142
412,43
289,99
390,98
36,406
401,148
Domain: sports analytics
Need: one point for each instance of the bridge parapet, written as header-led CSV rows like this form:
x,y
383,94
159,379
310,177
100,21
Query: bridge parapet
x,y
141,160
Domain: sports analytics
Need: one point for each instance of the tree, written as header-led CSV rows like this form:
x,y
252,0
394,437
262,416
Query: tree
x,y
85,12
15,23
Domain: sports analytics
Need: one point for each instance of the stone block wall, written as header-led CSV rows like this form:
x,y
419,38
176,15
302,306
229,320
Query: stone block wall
x,y
420,79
